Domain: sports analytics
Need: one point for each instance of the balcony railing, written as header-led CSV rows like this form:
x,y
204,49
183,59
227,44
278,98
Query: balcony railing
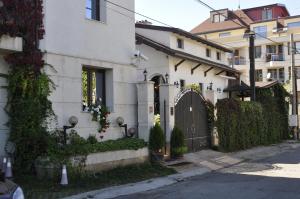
x,y
237,60
274,57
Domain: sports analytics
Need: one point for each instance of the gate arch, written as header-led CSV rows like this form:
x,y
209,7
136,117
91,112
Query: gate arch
x,y
191,118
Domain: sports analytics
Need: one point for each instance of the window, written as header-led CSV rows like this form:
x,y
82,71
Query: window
x,y
257,51
182,84
208,52
267,14
258,75
218,18
281,74
297,47
271,49
96,10
93,87
273,74
218,56
201,87
261,31
180,43
225,34
294,24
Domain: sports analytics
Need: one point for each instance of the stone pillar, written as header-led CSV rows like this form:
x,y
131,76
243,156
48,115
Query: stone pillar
x,y
211,96
167,111
145,108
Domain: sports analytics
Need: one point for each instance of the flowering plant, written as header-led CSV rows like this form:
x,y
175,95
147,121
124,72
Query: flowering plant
x,y
100,114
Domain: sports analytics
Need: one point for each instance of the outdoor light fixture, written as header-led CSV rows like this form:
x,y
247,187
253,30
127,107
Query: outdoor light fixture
x,y
210,87
219,90
176,84
145,75
73,120
167,78
120,122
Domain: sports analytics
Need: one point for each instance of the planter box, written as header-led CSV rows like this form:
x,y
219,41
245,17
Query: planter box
x,y
10,44
112,159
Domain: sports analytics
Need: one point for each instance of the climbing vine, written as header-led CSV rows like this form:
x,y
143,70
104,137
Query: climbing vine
x,y
28,89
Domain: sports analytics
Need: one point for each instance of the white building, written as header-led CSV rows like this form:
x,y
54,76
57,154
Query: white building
x,y
188,60
7,45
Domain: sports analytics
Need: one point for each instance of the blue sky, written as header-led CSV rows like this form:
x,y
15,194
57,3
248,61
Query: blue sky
x,y
186,14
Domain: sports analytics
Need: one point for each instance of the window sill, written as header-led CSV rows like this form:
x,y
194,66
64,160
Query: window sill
x,y
96,21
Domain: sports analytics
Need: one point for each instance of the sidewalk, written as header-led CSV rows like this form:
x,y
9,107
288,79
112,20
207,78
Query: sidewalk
x,y
192,164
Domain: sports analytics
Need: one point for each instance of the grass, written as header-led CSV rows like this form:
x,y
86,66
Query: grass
x,y
45,189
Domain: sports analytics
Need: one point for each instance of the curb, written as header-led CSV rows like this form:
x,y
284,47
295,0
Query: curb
x,y
147,185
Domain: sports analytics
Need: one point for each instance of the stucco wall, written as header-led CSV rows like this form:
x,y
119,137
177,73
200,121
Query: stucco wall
x,y
73,41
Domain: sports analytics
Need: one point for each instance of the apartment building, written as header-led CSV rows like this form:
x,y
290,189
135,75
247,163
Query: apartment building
x,y
273,26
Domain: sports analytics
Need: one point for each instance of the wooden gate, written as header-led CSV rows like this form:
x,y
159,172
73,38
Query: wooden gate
x,y
191,118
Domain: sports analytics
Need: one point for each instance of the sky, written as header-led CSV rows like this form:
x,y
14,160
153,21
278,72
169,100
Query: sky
x,y
187,14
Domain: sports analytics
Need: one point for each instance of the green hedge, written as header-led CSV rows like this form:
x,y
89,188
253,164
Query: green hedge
x,y
80,146
242,125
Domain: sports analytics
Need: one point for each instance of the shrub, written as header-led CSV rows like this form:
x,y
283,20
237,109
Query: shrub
x,y
92,139
156,138
178,147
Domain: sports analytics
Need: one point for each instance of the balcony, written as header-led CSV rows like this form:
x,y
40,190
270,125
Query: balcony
x,y
238,62
275,57
10,44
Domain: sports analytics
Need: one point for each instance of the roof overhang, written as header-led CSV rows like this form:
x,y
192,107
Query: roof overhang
x,y
185,34
183,55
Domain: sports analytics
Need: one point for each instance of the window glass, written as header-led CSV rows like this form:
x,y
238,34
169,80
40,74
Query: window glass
x,y
218,56
258,75
88,9
257,51
207,52
281,74
267,14
273,74
93,87
225,34
216,18
96,10
294,24
261,31
180,43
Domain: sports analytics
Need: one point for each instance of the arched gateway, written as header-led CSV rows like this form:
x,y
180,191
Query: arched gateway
x,y
191,118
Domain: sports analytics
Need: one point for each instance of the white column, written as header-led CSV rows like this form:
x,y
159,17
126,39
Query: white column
x,y
167,110
145,108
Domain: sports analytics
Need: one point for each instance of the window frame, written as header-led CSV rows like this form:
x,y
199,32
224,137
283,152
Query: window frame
x,y
256,54
180,43
97,9
261,34
90,71
208,52
267,14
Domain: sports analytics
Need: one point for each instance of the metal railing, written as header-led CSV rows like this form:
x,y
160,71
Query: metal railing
x,y
274,57
237,60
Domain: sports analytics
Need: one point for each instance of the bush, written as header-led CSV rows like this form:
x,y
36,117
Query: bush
x,y
156,138
178,147
92,139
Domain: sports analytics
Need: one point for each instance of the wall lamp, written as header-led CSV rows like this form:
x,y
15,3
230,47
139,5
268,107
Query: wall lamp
x,y
167,78
145,75
73,120
176,84
120,122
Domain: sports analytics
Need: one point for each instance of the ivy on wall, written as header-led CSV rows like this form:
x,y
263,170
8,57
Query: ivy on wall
x,y
28,88
242,125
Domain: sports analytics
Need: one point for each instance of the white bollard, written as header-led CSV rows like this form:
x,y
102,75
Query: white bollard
x,y
4,162
64,176
8,171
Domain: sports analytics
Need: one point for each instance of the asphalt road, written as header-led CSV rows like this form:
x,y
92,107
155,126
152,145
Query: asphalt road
x,y
273,178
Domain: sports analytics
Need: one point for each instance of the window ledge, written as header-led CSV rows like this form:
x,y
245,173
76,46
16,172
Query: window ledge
x,y
96,21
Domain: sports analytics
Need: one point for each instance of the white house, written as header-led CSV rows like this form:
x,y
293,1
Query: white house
x,y
91,39
180,58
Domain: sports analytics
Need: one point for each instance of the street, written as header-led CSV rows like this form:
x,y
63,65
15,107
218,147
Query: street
x,y
275,177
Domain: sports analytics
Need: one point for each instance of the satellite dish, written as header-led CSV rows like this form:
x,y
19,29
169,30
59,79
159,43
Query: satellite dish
x,y
269,76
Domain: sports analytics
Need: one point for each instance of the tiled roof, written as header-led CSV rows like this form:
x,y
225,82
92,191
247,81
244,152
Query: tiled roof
x,y
238,19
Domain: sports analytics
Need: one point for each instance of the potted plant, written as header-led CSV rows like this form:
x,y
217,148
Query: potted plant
x,y
156,142
178,147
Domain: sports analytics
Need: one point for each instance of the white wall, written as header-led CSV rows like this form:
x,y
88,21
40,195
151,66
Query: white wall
x,y
71,42
4,130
